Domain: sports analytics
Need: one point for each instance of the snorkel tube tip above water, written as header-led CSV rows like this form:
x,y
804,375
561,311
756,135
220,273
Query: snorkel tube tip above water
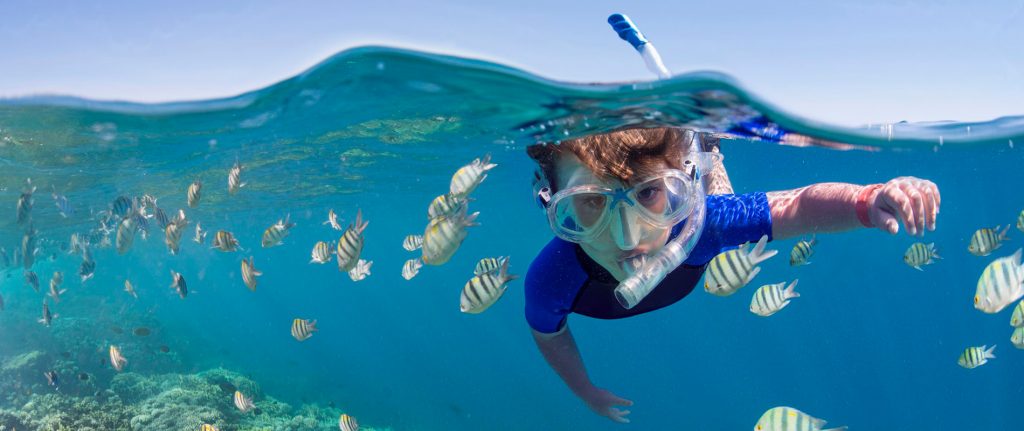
x,y
630,33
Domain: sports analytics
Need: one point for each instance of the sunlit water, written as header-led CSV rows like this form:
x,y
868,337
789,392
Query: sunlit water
x,y
871,344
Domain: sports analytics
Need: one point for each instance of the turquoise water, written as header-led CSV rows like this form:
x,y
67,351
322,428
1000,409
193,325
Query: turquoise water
x,y
871,343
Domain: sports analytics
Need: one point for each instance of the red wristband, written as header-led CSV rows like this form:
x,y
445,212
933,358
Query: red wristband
x,y
862,204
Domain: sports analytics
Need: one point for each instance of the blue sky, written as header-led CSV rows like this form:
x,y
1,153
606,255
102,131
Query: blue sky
x,y
844,62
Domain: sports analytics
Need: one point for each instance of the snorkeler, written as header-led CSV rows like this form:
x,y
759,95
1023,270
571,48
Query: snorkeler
x,y
617,201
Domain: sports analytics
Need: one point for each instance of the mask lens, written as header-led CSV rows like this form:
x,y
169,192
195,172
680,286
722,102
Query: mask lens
x,y
663,199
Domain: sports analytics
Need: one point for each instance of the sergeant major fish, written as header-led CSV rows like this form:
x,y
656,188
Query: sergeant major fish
x,y
443,237
790,419
249,274
235,178
974,357
920,254
482,291
347,423
194,193
350,245
24,209
412,242
733,269
33,280
447,205
1017,318
468,177
225,241
321,253
489,264
771,298
985,241
276,232
178,284
47,318
303,329
1017,338
332,219
1000,284
801,252
200,235
361,270
411,268
243,403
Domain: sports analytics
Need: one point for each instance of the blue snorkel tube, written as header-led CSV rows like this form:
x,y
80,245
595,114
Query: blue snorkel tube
x,y
651,270
629,33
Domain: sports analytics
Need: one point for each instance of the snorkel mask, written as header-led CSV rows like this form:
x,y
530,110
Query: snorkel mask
x,y
582,212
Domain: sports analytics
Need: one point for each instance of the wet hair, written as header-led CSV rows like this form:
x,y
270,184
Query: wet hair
x,y
622,154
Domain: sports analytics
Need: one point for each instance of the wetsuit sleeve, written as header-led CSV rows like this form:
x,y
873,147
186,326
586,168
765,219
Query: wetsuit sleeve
x,y
732,220
551,285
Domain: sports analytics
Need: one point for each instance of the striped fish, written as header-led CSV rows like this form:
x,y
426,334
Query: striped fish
x,y
730,271
235,178
468,177
1017,318
63,205
121,207
48,317
303,329
161,218
178,284
243,403
771,298
350,245
225,241
125,235
1018,338
790,419
974,357
411,268
32,279
489,264
447,205
24,210
920,254
87,268
208,427
1020,221
412,242
332,219
801,252
194,195
985,241
116,359
275,233
142,223
321,253
1000,284
444,236
361,270
347,423
249,274
172,237
484,290
130,289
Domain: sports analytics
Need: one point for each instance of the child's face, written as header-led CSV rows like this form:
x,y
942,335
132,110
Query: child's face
x,y
627,235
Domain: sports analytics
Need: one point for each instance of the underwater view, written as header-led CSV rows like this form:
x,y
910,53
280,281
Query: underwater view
x,y
348,249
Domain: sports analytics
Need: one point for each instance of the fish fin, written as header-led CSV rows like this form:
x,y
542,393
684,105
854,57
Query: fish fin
x,y
919,268
987,354
1002,235
842,428
752,275
470,220
790,291
814,240
759,254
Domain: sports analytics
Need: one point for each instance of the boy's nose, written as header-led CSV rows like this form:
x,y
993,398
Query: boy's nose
x,y
624,228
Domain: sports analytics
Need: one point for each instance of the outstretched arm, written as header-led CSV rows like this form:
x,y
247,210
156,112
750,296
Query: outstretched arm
x,y
835,207
560,350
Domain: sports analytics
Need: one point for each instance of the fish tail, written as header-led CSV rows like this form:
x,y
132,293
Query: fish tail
x,y
759,254
790,291
933,252
987,353
1002,235
360,225
470,220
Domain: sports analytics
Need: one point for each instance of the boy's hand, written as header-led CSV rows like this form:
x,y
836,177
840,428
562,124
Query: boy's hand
x,y
602,401
910,200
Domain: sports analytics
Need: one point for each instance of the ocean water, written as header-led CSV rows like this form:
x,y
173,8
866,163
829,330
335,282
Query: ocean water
x,y
871,343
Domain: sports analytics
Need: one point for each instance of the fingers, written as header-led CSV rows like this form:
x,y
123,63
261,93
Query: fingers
x,y
618,415
887,221
619,401
894,198
917,204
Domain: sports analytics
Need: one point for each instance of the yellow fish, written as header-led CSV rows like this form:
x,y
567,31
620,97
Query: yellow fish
x,y
790,419
321,253
347,423
351,244
208,427
974,357
234,178
1018,338
920,254
1017,318
243,403
274,234
249,274
303,329
468,177
225,241
985,241
194,195
484,290
730,271
444,236
801,252
1000,284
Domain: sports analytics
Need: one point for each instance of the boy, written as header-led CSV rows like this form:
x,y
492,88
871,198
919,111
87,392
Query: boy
x,y
614,198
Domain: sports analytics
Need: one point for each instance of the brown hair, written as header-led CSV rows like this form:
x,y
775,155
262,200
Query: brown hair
x,y
620,154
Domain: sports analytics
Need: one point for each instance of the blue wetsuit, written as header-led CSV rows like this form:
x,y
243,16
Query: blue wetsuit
x,y
564,280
